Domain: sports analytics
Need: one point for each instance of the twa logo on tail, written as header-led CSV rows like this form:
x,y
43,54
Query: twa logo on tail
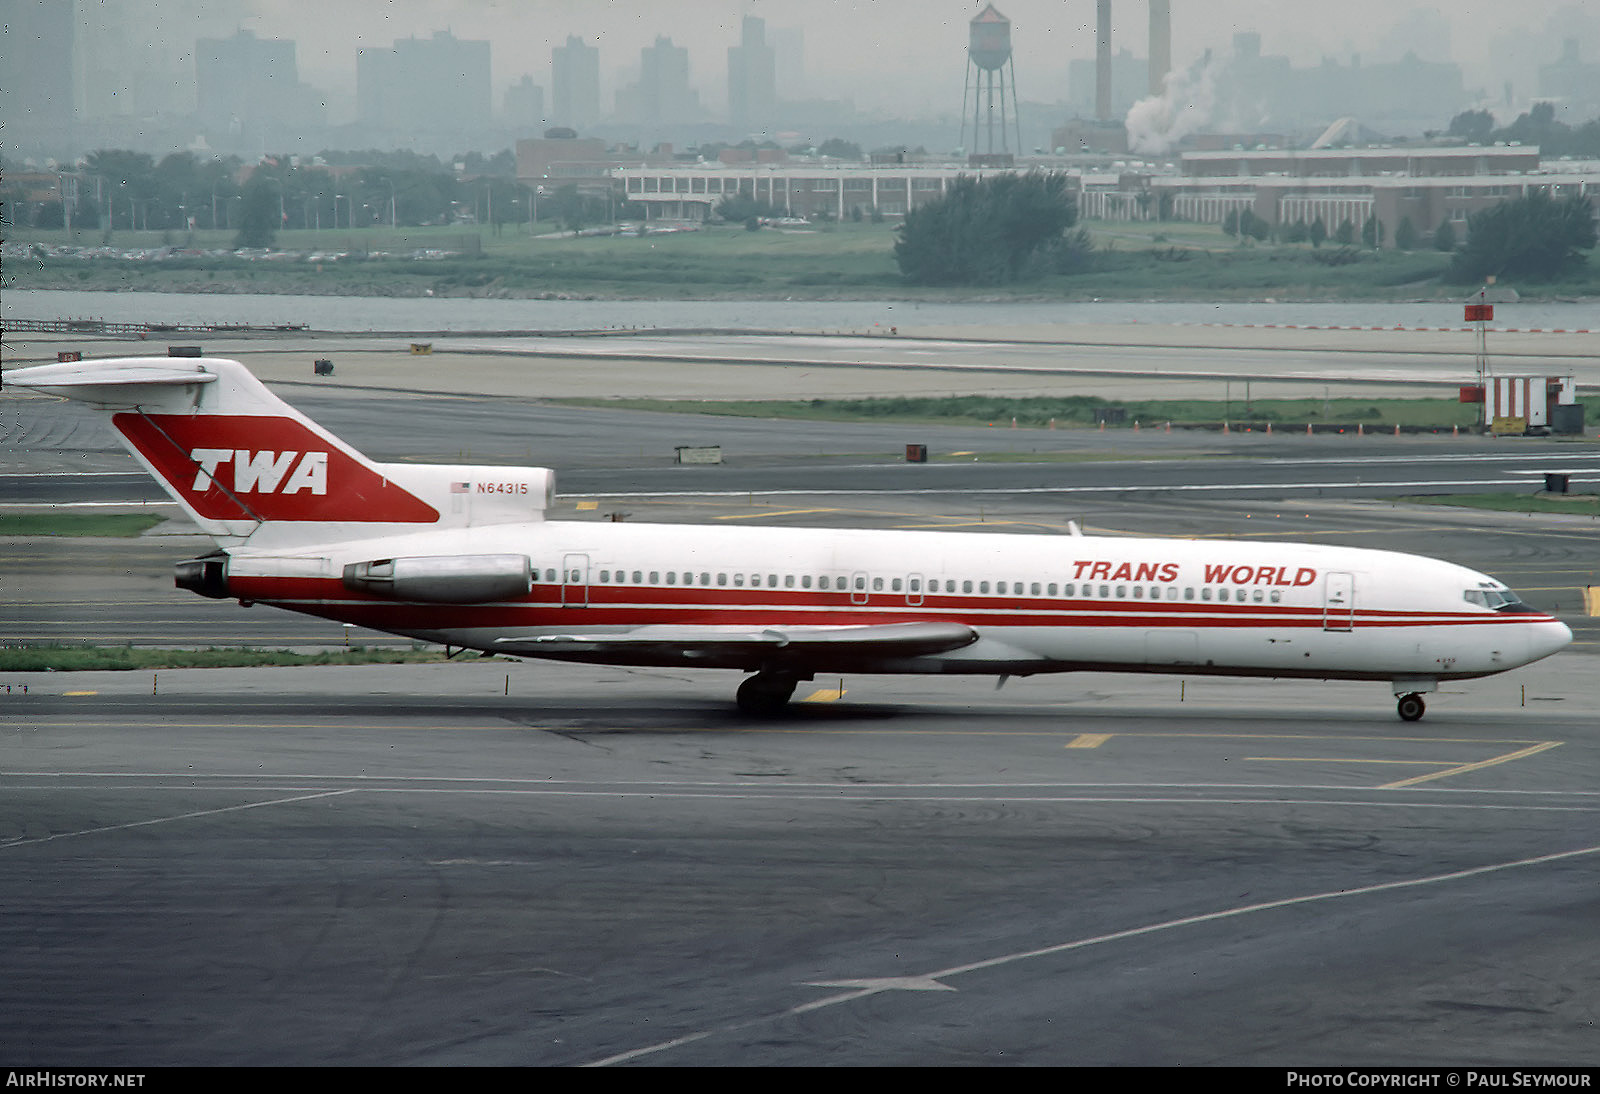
x,y
237,467
263,472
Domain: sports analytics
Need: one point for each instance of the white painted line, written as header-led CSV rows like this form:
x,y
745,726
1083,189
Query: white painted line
x,y
1022,490
933,980
164,820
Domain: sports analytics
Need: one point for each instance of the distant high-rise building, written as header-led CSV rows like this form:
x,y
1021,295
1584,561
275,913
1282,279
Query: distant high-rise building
x,y
246,82
424,85
575,84
524,104
1572,83
788,50
36,54
662,93
752,76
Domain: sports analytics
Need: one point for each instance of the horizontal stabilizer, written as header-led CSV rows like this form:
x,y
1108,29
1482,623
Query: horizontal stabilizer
x,y
119,382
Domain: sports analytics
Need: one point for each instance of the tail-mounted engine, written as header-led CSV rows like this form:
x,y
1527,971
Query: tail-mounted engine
x,y
207,575
443,579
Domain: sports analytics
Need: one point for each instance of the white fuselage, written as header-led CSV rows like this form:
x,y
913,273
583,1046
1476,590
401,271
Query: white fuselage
x,y
1037,603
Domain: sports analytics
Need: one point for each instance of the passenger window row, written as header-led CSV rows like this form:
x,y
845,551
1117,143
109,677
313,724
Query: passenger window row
x,y
859,584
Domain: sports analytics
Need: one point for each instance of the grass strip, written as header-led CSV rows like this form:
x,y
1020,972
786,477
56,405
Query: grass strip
x,y
1085,410
1583,505
117,525
64,658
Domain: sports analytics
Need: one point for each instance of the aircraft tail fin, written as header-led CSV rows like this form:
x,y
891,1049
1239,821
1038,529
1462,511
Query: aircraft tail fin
x,y
238,459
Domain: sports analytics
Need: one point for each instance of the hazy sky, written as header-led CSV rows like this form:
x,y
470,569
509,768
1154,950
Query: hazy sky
x,y
887,54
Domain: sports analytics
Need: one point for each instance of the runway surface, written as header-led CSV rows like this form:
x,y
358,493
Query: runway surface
x,y
495,862
408,866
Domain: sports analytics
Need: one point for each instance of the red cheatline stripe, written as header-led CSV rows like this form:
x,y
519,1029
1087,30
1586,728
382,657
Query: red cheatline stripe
x,y
835,607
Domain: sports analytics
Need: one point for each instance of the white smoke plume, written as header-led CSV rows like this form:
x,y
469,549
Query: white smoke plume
x,y
1188,103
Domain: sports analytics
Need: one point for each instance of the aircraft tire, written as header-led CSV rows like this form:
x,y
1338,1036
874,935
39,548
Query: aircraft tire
x,y
1411,707
764,693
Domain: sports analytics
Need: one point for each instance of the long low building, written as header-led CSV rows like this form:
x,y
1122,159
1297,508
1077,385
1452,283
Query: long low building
x,y
1425,186
690,192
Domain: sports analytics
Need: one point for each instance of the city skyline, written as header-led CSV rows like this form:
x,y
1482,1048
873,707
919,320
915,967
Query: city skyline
x,y
892,56
894,74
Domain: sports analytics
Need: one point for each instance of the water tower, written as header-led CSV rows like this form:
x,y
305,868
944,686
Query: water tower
x,y
990,78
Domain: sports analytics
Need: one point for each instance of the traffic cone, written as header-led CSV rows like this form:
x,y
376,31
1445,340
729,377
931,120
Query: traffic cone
x,y
1269,429
1397,429
1361,429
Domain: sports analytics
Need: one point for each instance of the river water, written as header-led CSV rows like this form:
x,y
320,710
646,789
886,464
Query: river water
x,y
414,315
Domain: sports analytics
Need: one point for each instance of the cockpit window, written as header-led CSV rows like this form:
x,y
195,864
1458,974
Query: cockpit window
x,y
1500,600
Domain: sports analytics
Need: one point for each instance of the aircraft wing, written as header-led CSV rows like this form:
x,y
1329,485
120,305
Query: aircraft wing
x,y
797,645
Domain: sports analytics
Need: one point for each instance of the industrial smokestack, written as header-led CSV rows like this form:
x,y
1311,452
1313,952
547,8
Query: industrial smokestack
x,y
1102,62
1160,43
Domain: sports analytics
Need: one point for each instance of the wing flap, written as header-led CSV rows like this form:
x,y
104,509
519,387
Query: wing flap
x,y
798,644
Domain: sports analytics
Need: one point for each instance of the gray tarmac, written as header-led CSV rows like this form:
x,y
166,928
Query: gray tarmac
x,y
411,866
496,862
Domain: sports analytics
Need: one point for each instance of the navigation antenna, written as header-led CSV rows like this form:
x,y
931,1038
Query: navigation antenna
x,y
1482,314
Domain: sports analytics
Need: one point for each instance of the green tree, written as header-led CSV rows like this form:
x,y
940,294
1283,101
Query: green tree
x,y
991,231
1345,233
737,208
130,183
1317,233
1406,235
1532,238
1444,236
1472,125
259,220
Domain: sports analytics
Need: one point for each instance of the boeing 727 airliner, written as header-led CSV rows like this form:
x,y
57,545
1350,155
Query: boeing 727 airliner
x,y
463,556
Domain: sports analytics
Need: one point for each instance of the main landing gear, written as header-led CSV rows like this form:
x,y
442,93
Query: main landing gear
x,y
1411,707
766,692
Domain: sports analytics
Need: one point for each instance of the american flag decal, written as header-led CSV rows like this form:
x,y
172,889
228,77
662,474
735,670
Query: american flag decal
x,y
460,487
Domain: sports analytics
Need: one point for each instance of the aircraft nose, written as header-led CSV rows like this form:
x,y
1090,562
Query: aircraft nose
x,y
1547,638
